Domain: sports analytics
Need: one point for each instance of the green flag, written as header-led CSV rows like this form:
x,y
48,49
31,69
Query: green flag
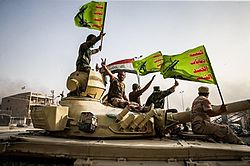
x,y
91,15
150,64
192,65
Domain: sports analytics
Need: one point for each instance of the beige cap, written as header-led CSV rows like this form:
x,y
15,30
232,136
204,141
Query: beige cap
x,y
203,89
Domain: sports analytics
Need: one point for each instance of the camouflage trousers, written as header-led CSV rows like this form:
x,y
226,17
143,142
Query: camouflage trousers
x,y
121,103
117,102
217,131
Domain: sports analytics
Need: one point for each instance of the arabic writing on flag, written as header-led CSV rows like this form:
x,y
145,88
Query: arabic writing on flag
x,y
150,64
192,65
91,15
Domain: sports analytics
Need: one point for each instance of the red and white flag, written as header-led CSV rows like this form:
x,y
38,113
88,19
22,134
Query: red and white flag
x,y
124,65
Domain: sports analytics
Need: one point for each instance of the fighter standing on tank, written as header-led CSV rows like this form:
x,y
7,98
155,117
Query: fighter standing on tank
x,y
77,81
84,54
201,124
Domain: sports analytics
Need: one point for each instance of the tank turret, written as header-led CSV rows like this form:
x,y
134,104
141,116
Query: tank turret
x,y
85,84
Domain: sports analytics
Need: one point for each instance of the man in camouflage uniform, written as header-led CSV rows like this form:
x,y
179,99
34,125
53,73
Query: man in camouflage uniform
x,y
134,96
116,94
158,96
77,81
201,124
84,54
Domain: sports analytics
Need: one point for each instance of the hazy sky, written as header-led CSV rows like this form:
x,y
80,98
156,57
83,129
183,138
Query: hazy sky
x,y
39,43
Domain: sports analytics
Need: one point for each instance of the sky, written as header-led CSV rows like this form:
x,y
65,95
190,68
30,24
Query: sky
x,y
39,43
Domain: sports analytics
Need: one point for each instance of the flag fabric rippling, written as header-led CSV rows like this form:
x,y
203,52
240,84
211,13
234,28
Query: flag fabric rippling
x,y
192,65
149,64
91,15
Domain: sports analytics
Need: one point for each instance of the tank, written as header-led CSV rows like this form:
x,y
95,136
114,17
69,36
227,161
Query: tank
x,y
84,130
83,114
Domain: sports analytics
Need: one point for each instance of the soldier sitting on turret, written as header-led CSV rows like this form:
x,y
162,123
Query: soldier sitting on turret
x,y
134,96
201,124
158,96
116,94
158,99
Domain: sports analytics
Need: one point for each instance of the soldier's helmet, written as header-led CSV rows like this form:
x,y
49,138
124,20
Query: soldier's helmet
x,y
156,88
90,37
203,89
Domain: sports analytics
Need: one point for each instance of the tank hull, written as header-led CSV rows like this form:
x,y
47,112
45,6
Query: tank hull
x,y
125,152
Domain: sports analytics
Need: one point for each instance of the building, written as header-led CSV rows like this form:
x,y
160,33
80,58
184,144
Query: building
x,y
20,105
238,118
245,121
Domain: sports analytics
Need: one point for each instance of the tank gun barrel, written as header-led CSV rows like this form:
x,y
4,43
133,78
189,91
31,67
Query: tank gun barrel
x,y
183,117
235,106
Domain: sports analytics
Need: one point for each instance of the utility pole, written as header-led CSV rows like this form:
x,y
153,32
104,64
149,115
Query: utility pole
x,y
167,103
182,100
52,96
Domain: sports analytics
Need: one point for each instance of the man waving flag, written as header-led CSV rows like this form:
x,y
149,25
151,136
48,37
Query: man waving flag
x,y
91,15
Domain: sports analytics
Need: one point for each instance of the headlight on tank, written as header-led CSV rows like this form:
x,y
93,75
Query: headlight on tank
x,y
87,122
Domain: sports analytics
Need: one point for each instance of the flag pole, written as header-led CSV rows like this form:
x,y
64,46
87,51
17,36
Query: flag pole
x,y
222,100
103,23
224,118
138,79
